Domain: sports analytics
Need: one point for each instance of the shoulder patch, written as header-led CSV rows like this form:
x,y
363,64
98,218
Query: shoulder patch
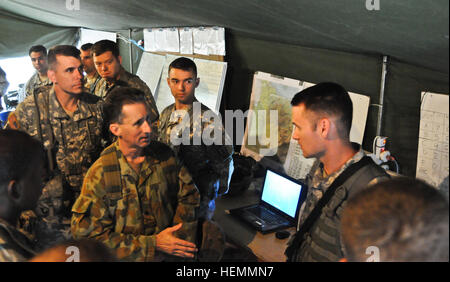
x,y
12,122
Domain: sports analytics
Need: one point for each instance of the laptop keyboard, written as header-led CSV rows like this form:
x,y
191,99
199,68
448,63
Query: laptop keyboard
x,y
266,215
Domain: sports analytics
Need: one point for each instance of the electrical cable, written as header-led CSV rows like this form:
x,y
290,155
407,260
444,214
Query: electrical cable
x,y
130,41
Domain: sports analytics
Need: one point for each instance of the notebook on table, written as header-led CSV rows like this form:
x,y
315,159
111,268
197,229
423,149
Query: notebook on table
x,y
281,199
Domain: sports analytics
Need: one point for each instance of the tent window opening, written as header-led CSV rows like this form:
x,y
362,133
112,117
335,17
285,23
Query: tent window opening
x,y
18,71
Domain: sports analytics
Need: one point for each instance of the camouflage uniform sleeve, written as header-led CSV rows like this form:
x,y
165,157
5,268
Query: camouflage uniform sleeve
x,y
29,87
187,208
140,84
149,95
162,126
91,218
106,136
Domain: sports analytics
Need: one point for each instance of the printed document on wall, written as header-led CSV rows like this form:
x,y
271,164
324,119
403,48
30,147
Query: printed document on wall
x,y
209,40
150,69
186,41
212,78
432,156
161,40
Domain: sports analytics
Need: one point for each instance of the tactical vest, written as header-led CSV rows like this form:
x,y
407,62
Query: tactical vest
x,y
322,242
42,122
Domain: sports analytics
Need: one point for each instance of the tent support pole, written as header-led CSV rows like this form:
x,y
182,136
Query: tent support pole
x,y
131,51
381,102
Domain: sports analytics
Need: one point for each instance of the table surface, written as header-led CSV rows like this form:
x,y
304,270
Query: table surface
x,y
266,247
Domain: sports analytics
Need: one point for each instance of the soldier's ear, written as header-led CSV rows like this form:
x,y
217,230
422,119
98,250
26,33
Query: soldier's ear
x,y
324,127
13,190
115,129
197,82
51,74
120,59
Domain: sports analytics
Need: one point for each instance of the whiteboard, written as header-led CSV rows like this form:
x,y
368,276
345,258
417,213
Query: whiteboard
x,y
360,110
432,155
150,69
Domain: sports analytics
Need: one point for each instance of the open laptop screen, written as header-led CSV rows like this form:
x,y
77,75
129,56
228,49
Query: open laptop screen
x,y
281,192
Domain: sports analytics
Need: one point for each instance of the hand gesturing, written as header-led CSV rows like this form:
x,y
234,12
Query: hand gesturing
x,y
168,243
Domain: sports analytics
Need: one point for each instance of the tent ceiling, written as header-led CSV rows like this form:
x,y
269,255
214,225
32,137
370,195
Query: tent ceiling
x,y
413,31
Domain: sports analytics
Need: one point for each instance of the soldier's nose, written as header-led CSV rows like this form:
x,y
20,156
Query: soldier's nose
x,y
146,127
79,74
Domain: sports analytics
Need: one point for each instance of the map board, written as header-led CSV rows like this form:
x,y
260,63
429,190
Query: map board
x,y
271,92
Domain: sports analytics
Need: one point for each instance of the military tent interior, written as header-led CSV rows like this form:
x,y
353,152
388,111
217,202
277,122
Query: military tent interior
x,y
341,41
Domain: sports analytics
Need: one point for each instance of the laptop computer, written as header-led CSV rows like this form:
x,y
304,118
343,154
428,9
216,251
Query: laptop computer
x,y
281,198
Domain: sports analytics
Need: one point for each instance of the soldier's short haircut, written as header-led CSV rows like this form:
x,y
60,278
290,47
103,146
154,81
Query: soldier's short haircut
x,y
103,46
90,250
119,97
18,151
38,49
61,50
331,99
185,64
405,218
86,46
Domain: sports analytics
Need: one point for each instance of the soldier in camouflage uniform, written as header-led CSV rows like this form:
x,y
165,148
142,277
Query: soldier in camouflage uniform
x,y
405,218
207,157
38,56
69,124
322,116
92,77
108,62
21,169
136,199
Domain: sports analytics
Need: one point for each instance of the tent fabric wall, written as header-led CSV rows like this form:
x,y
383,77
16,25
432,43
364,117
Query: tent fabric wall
x,y
412,31
357,73
402,109
307,40
19,34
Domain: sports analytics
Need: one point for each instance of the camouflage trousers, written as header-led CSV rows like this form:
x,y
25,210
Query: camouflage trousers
x,y
49,223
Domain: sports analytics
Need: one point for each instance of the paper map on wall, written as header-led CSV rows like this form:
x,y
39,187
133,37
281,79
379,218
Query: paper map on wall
x,y
271,92
432,156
